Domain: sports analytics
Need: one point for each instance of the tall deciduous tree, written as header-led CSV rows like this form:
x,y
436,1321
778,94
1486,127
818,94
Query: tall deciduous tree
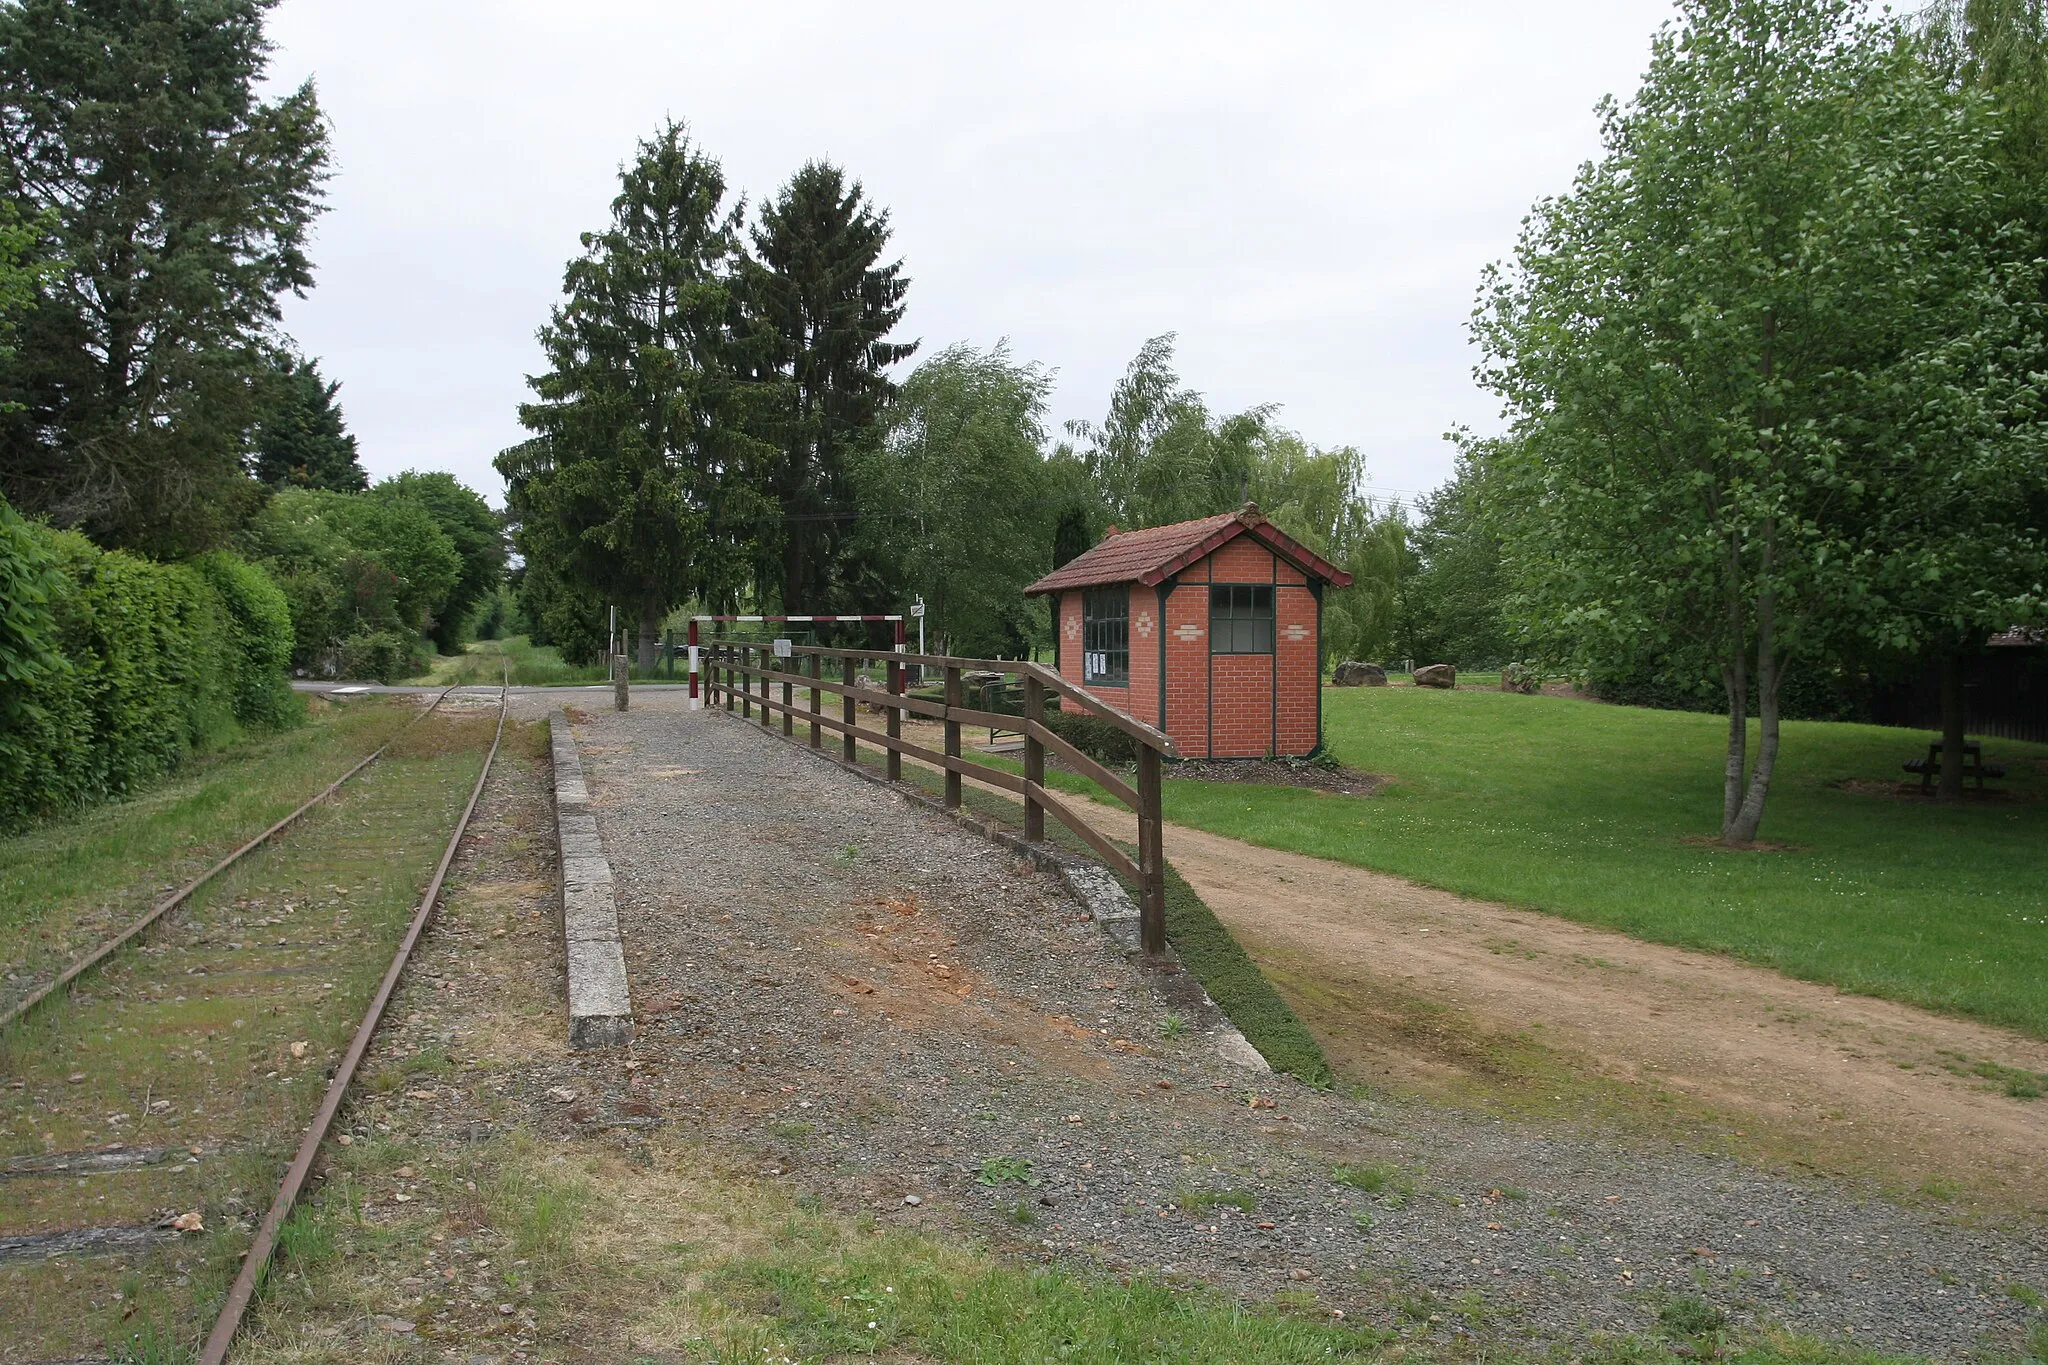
x,y
1158,456
1766,361
1318,497
640,485
1451,598
1999,48
956,495
301,441
822,303
472,528
179,203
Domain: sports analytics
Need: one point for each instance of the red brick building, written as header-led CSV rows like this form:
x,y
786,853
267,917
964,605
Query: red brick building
x,y
1210,630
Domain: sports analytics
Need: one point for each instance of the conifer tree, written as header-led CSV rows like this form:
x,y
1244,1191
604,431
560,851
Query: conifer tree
x,y
637,488
301,441
821,304
177,202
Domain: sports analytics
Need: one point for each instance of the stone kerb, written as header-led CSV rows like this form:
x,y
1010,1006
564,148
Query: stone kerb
x,y
600,1003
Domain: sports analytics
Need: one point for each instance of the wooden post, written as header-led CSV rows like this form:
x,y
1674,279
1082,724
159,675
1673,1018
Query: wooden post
x,y
725,673
1034,758
619,681
1151,855
846,746
895,760
952,735
817,695
788,710
746,682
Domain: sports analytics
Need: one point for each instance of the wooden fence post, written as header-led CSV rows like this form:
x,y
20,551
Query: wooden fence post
x,y
746,683
817,694
1151,854
725,673
788,711
1034,758
895,760
767,686
953,699
619,681
846,748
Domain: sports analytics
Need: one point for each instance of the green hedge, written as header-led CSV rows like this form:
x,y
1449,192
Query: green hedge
x,y
113,668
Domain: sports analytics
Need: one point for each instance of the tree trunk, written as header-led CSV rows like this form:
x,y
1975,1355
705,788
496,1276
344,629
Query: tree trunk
x,y
1751,816
650,625
1951,788
1735,678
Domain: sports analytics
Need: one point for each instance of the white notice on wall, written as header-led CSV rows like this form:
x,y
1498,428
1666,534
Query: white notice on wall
x,y
782,649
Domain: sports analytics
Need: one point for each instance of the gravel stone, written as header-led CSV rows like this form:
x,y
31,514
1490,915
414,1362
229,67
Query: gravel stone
x,y
843,985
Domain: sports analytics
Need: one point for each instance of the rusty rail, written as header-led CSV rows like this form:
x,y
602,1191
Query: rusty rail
x,y
21,1008
256,1260
731,673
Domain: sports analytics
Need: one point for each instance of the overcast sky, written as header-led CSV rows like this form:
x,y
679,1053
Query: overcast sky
x,y
1304,193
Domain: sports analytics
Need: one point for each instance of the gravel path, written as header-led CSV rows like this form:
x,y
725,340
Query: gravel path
x,y
894,1013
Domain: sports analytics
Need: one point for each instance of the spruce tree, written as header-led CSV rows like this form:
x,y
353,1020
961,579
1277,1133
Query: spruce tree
x,y
635,490
821,304
178,203
301,441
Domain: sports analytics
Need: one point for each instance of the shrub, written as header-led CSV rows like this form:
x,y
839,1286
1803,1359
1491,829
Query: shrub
x,y
1095,737
262,625
386,655
114,667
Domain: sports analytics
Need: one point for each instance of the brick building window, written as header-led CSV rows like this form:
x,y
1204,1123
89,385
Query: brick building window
x,y
1106,636
1241,618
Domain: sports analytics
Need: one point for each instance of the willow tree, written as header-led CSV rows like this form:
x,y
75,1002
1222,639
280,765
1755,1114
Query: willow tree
x,y
1765,363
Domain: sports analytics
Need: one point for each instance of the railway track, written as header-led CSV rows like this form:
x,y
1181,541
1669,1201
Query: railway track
x,y
145,1114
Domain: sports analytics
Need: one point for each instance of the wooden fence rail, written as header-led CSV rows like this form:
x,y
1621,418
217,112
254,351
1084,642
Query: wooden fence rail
x,y
733,668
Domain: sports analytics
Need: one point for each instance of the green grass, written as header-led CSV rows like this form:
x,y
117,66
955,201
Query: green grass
x,y
483,662
1582,810
66,882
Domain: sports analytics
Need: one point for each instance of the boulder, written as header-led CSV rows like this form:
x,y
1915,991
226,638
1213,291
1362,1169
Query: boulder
x,y
1436,675
1352,673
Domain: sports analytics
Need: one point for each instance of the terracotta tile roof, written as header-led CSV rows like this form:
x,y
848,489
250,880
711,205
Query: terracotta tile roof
x,y
1151,555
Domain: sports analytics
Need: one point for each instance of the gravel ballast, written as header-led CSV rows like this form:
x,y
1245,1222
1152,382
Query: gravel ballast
x,y
898,1015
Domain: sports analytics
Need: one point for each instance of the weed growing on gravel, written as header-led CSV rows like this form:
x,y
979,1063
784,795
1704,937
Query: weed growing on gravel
x,y
1378,1177
1006,1170
1173,1026
1684,1317
1361,1220
791,1130
1023,1215
1201,1201
2026,1294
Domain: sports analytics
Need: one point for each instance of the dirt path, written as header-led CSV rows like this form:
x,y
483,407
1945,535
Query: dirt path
x,y
1416,986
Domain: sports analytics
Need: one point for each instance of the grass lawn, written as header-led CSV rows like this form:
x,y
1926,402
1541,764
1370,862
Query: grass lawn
x,y
483,661
1581,810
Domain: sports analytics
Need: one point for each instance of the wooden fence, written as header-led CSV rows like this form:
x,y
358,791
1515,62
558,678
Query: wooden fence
x,y
743,675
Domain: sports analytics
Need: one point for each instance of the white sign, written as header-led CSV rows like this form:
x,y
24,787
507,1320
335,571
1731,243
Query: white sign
x,y
782,649
917,608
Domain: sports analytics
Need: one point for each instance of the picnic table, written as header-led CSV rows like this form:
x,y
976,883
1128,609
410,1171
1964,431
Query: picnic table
x,y
1974,765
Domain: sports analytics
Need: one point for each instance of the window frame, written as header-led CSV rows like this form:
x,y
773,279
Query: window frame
x,y
1239,625
1106,635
